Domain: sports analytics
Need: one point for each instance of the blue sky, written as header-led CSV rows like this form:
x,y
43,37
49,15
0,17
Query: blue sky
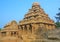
x,y
16,9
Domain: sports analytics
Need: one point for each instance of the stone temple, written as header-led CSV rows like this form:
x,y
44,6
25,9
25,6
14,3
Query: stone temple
x,y
24,30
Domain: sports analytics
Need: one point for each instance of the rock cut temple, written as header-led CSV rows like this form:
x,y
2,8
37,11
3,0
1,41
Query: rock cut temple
x,y
36,17
24,30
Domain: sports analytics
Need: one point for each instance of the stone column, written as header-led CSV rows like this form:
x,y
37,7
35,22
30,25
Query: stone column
x,y
19,27
32,28
23,29
42,25
53,26
28,26
20,31
8,33
47,26
50,27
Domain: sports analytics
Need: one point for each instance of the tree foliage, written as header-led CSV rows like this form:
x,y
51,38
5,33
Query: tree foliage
x,y
57,24
0,29
58,19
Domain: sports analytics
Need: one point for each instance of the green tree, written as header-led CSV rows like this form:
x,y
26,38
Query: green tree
x,y
58,19
0,28
57,24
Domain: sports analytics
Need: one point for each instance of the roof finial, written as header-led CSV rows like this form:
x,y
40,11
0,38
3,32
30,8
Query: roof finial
x,y
35,3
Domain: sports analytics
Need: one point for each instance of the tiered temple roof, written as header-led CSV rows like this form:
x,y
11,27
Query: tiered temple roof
x,y
36,15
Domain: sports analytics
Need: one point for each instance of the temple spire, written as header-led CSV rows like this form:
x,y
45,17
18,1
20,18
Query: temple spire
x,y
35,3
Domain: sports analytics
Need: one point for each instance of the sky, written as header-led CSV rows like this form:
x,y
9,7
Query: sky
x,y
16,9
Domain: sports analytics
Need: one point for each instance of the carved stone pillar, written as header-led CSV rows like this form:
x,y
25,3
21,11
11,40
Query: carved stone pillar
x,y
46,26
19,27
28,26
28,31
41,25
8,33
20,30
34,27
22,27
53,27
50,27
25,27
